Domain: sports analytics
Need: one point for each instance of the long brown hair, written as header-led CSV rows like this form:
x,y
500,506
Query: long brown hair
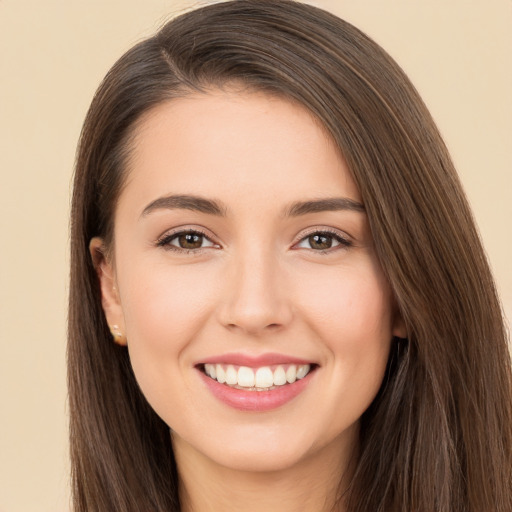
x,y
438,437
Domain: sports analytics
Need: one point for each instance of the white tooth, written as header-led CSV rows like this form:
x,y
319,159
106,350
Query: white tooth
x,y
291,374
213,374
221,374
302,371
208,369
231,376
279,376
264,377
245,377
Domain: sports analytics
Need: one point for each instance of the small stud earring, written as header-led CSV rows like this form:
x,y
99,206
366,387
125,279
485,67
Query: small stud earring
x,y
118,336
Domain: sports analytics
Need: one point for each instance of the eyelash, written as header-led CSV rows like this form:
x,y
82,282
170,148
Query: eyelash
x,y
165,241
344,243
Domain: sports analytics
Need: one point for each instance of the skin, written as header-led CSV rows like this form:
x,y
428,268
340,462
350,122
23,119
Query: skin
x,y
257,284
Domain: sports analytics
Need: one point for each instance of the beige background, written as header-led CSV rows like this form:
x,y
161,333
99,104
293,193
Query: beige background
x,y
53,54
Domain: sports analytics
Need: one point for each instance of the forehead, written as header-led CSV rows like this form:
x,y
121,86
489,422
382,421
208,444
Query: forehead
x,y
255,145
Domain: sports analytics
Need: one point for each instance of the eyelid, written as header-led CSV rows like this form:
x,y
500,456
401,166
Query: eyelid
x,y
165,239
341,237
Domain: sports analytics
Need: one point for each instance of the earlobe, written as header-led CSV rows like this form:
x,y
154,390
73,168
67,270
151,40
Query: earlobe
x,y
399,327
110,299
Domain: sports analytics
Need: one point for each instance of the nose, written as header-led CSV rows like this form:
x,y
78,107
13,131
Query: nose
x,y
256,298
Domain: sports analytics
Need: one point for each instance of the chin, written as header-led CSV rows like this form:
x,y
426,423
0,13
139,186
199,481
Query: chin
x,y
260,460
246,449
271,449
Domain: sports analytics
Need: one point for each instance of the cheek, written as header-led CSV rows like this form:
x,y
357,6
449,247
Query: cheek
x,y
351,313
165,308
348,305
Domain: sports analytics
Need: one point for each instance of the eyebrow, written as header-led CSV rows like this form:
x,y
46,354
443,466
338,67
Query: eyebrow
x,y
186,202
212,207
323,205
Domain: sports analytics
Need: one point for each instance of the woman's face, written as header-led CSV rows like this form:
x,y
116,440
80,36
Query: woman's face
x,y
241,244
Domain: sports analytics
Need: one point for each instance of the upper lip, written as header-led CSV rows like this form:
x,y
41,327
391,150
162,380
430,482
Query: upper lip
x,y
253,361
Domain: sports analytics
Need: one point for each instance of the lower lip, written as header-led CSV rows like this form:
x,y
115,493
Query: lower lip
x,y
256,401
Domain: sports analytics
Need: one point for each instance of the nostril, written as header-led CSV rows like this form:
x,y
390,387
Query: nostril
x,y
254,328
256,299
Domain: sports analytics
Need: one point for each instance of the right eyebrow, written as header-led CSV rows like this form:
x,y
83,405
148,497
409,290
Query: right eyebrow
x,y
324,205
186,202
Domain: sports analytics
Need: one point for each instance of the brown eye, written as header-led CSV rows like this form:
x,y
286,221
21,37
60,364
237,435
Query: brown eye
x,y
323,241
186,241
320,241
190,240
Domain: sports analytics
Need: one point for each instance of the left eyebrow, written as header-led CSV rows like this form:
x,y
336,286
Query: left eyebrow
x,y
323,205
186,202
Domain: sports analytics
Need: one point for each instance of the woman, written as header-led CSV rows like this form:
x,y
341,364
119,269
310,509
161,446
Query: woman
x,y
278,296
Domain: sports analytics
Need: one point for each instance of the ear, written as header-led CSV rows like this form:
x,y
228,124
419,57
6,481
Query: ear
x,y
399,327
110,300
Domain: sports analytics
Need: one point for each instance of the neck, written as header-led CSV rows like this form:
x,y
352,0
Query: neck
x,y
312,485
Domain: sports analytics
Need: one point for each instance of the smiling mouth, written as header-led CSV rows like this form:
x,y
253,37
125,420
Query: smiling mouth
x,y
263,378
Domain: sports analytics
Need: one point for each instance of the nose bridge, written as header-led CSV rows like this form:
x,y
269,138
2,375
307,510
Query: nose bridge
x,y
256,299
